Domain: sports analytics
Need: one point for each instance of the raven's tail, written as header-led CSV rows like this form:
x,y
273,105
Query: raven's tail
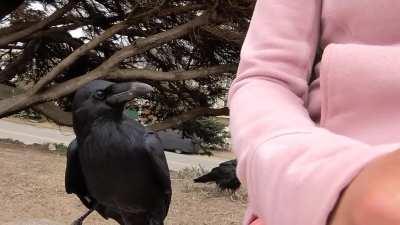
x,y
205,178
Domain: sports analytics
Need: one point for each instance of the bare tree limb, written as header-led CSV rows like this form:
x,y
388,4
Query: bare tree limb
x,y
51,31
67,21
65,63
11,105
19,65
139,47
106,34
48,109
73,23
6,7
60,117
190,115
135,74
52,112
5,40
93,43
13,47
230,36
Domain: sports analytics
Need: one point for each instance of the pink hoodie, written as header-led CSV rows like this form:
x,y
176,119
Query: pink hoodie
x,y
299,145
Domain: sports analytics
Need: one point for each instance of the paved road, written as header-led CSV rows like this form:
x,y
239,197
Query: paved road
x,y
29,134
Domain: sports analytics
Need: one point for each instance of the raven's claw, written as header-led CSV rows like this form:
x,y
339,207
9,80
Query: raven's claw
x,y
80,220
77,222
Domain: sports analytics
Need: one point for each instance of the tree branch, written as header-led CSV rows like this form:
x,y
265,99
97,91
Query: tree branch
x,y
6,7
19,65
52,112
11,105
66,22
75,22
93,43
190,115
139,47
230,36
48,109
5,40
136,74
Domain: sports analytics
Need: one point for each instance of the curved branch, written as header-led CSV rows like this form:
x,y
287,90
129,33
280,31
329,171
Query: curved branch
x,y
20,64
97,40
48,109
229,36
5,40
11,105
70,22
67,21
139,47
190,115
136,74
52,112
6,7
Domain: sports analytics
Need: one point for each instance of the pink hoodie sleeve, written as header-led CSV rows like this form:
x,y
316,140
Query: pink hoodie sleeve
x,y
294,171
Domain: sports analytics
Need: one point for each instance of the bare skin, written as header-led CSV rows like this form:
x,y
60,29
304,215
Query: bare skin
x,y
373,197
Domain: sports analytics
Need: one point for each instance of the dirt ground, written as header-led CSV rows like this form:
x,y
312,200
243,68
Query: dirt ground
x,y
32,193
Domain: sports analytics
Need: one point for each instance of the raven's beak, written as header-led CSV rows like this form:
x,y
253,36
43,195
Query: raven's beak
x,y
121,93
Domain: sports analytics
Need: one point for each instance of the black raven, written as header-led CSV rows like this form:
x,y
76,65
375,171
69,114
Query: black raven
x,y
223,175
115,166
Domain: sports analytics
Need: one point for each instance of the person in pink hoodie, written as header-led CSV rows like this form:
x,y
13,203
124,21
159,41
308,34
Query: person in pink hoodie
x,y
323,151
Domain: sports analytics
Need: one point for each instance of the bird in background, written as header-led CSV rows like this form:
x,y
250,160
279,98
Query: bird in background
x,y
115,166
223,175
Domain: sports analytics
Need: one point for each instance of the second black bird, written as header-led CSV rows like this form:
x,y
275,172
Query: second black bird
x,y
223,175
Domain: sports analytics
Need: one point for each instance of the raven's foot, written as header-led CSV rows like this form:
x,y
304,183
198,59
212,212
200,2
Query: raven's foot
x,y
234,196
80,220
77,222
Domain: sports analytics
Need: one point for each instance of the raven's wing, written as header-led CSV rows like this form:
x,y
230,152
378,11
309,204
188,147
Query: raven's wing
x,y
232,162
156,152
213,175
223,170
75,184
74,179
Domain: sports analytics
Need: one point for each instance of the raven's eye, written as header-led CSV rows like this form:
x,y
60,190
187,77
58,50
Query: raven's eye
x,y
100,94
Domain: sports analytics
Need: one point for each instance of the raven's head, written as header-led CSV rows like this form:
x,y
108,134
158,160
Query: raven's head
x,y
101,98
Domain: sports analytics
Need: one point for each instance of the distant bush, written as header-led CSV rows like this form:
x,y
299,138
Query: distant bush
x,y
207,132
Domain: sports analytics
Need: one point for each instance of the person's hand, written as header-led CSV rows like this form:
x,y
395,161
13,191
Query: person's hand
x,y
373,197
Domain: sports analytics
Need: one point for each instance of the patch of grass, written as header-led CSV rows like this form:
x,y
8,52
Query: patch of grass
x,y
10,141
57,148
61,147
191,172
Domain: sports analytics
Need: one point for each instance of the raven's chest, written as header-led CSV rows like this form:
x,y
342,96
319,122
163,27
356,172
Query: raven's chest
x,y
111,148
112,157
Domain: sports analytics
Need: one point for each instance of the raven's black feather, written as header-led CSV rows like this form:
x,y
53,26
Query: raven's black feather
x,y
223,175
117,164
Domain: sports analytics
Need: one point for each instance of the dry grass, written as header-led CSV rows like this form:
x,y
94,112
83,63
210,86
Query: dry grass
x,y
32,193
